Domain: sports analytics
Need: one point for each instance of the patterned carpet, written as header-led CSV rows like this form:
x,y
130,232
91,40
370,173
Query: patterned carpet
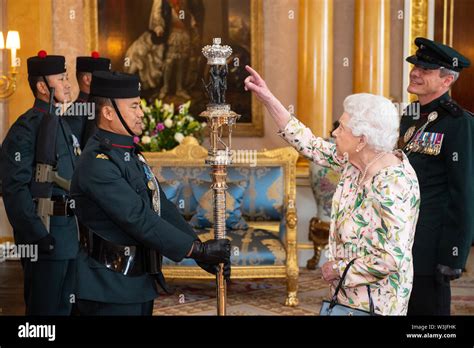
x,y
245,297
266,296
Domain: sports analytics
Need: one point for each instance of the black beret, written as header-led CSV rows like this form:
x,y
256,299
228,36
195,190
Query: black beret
x,y
44,65
92,63
113,84
434,55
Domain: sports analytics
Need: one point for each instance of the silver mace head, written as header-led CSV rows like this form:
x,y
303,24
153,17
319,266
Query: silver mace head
x,y
216,54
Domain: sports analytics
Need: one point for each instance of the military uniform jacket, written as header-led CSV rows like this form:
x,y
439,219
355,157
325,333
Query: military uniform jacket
x,y
444,164
18,170
77,123
112,199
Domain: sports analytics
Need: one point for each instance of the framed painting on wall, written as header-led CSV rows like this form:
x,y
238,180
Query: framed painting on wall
x,y
161,42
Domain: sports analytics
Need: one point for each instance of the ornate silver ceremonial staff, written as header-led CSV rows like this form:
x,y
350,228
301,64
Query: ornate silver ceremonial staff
x,y
219,117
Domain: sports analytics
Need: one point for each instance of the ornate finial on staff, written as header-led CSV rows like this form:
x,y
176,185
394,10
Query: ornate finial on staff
x,y
215,53
219,116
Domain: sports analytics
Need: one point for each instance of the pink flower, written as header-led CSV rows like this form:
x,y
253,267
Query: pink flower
x,y
160,126
136,140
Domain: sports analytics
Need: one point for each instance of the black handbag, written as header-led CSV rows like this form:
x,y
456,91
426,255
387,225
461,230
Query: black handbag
x,y
333,308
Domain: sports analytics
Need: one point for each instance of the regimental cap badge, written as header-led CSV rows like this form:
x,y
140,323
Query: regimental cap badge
x,y
216,54
139,86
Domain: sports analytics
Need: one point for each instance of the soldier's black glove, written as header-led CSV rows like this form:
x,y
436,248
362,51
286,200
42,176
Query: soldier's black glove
x,y
214,269
212,252
46,244
446,273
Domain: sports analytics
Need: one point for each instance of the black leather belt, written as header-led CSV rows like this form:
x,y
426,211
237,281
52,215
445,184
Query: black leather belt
x,y
130,260
61,206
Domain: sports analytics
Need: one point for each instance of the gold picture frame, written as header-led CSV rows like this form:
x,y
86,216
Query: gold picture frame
x,y
254,128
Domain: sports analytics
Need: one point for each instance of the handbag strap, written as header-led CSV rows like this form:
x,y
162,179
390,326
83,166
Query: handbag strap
x,y
341,282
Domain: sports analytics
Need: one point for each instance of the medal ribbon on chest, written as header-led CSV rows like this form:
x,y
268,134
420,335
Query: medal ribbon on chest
x,y
152,185
418,141
76,145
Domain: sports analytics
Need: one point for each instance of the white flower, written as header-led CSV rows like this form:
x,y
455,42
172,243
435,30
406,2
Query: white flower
x,y
168,123
179,123
169,108
190,118
204,124
146,139
179,137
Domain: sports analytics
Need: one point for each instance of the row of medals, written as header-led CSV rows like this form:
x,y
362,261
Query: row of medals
x,y
422,146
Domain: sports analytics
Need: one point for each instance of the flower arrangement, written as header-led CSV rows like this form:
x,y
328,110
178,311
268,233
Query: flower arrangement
x,y
164,128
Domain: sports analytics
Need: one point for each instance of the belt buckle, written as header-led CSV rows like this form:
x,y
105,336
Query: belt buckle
x,y
128,260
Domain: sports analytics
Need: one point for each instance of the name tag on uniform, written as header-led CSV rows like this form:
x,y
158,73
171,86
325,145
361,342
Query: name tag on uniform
x,y
427,143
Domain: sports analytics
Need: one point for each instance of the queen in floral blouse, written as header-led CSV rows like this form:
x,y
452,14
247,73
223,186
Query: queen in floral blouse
x,y
376,203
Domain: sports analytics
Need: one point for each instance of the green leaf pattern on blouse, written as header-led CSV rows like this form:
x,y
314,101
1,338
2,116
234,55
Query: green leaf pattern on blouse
x,y
374,223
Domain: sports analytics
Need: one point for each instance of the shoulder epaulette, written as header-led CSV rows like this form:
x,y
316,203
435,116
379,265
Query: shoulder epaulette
x,y
105,144
451,107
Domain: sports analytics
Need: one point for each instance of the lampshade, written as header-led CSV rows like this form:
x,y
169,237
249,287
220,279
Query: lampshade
x,y
2,43
13,40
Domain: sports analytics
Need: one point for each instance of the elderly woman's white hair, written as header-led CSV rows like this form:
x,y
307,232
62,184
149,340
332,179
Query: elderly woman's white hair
x,y
375,117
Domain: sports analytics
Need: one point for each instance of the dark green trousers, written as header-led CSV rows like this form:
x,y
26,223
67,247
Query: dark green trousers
x,y
49,286
87,307
430,296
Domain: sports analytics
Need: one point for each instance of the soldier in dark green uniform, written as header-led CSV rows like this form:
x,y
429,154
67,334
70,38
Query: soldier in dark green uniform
x,y
82,124
439,142
49,280
129,221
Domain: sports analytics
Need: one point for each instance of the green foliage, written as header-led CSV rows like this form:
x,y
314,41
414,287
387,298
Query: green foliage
x,y
164,126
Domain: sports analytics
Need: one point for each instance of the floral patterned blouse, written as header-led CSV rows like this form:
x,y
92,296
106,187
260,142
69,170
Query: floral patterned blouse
x,y
373,224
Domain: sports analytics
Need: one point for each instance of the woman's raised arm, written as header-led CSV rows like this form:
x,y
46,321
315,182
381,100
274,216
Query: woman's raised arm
x,y
293,131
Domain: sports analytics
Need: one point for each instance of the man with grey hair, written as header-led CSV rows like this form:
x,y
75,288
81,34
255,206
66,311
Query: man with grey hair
x,y
439,142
